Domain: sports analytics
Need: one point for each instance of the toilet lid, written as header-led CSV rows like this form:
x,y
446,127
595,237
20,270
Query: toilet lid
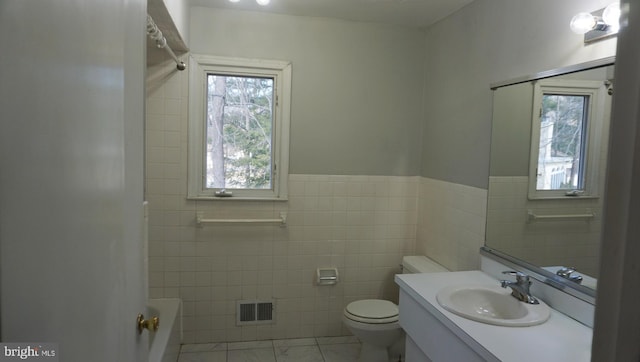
x,y
372,311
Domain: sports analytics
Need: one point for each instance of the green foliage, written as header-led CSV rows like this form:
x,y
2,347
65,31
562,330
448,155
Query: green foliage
x,y
247,131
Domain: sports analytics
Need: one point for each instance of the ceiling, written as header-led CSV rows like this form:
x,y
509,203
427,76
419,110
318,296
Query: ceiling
x,y
411,13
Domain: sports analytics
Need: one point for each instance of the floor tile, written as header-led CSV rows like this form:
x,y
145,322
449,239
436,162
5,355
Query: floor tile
x,y
295,342
298,354
345,352
217,356
251,355
203,347
322,349
337,340
249,345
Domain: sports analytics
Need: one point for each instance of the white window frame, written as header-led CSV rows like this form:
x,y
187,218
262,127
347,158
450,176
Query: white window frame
x,y
596,122
280,71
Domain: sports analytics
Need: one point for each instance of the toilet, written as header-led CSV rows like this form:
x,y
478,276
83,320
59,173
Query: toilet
x,y
375,321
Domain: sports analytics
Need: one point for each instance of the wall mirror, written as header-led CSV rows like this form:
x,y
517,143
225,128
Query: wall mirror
x,y
549,145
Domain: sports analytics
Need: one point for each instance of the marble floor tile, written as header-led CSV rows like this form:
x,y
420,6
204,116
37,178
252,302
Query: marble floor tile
x,y
344,352
322,349
251,355
203,347
298,354
216,356
294,342
249,345
337,340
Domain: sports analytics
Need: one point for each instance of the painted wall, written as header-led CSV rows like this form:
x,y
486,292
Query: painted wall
x,y
71,180
486,42
179,12
357,87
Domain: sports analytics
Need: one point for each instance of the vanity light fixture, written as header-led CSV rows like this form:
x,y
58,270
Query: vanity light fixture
x,y
599,24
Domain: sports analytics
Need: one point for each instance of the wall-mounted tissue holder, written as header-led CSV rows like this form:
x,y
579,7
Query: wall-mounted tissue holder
x,y
326,276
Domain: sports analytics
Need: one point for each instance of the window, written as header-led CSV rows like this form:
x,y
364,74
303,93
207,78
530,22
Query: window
x,y
565,144
238,128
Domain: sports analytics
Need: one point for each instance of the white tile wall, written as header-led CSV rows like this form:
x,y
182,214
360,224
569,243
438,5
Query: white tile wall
x,y
568,243
451,223
362,225
364,232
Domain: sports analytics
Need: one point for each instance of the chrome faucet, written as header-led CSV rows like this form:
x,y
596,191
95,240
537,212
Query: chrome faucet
x,y
565,272
519,288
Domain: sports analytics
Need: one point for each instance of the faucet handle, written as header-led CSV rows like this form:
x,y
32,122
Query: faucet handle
x,y
520,276
565,271
519,289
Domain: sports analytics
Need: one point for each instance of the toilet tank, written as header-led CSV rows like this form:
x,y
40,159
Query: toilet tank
x,y
420,264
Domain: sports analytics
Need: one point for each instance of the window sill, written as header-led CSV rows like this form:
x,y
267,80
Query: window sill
x,y
236,198
589,197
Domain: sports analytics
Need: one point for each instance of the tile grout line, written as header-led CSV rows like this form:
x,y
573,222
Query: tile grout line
x,y
226,349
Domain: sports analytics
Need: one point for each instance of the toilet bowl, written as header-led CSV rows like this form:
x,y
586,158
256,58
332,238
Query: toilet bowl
x,y
375,321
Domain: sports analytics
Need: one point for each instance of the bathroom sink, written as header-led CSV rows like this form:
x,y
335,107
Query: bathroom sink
x,y
492,305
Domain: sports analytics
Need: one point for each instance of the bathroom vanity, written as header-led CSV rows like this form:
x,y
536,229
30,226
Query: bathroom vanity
x,y
435,334
523,215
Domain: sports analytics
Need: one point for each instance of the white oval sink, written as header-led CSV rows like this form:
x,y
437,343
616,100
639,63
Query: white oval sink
x,y
492,305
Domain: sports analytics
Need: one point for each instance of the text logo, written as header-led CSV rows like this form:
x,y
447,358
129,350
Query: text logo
x,y
28,352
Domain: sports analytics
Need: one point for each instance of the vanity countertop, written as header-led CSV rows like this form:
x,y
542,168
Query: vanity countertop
x,y
558,339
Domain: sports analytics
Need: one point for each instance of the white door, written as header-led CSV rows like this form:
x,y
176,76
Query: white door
x,y
71,176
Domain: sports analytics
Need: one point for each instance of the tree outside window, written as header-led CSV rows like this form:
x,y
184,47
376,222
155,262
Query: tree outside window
x,y
239,131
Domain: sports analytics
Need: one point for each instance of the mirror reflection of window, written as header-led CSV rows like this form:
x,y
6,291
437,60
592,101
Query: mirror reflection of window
x,y
563,122
568,117
509,230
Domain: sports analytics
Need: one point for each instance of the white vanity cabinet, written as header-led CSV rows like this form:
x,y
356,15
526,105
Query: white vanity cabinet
x,y
431,339
435,334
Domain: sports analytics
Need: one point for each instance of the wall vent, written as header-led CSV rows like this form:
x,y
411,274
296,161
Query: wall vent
x,y
250,312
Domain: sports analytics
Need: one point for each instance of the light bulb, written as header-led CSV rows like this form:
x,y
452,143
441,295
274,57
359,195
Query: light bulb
x,y
611,15
581,23
263,2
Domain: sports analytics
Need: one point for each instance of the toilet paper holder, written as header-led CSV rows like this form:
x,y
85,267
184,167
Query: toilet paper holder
x,y
327,276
